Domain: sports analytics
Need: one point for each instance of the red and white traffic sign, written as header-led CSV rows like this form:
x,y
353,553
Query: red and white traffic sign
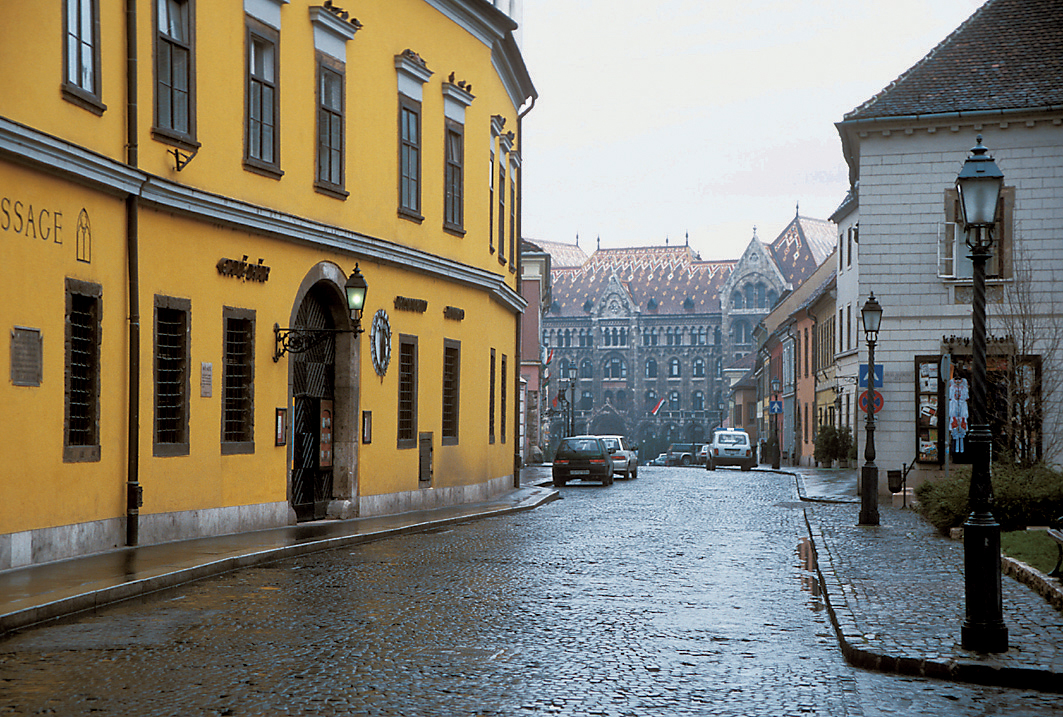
x,y
878,402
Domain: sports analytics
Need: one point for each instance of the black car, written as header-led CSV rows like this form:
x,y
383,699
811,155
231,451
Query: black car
x,y
582,458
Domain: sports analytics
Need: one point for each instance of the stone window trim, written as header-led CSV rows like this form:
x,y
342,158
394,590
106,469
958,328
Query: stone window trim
x,y
83,452
179,448
73,91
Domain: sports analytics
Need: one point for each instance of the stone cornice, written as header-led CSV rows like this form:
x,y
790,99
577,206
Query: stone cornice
x,y
56,157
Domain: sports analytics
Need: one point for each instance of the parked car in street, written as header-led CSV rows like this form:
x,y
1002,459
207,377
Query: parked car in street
x,y
730,447
703,454
582,458
682,454
660,460
625,462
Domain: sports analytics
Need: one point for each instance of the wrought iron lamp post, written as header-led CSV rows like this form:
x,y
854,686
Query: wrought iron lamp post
x,y
300,340
871,315
979,184
777,449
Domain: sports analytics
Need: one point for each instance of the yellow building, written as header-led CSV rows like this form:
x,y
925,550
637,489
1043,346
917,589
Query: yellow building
x,y
181,184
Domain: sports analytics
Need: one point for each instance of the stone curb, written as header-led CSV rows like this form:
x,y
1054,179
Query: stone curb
x,y
1048,588
850,639
94,599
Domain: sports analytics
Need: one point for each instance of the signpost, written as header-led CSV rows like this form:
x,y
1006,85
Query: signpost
x,y
877,406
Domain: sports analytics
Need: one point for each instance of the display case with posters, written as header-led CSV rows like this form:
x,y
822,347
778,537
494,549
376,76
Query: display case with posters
x,y
929,419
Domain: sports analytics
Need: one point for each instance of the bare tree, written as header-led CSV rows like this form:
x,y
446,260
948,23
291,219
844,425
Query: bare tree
x,y
1030,317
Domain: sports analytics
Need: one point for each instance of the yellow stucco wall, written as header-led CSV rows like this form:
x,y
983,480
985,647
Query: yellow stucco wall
x,y
179,251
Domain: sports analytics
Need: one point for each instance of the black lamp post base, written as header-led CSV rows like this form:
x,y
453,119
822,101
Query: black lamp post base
x,y
869,495
983,630
984,638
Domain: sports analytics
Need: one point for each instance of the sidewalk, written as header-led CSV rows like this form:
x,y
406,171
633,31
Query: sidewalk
x,y
896,596
44,592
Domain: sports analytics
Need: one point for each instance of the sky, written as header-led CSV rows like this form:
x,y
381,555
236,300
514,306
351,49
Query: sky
x,y
664,118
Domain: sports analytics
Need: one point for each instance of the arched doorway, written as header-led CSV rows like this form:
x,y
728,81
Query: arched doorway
x,y
313,410
323,385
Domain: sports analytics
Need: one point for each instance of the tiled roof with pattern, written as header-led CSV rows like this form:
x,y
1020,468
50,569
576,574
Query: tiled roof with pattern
x,y
563,255
667,275
1007,56
802,247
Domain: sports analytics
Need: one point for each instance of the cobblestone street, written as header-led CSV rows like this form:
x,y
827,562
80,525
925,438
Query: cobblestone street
x,y
683,592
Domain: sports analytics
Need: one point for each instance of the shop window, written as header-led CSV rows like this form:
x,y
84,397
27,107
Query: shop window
x,y
81,52
82,411
407,400
175,112
238,381
172,375
451,390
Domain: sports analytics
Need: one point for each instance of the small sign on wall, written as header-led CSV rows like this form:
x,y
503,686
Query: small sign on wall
x,y
206,380
281,425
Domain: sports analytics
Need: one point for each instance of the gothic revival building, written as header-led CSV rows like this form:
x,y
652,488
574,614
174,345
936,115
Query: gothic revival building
x,y
648,331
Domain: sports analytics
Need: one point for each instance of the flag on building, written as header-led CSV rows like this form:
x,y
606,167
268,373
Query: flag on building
x,y
657,407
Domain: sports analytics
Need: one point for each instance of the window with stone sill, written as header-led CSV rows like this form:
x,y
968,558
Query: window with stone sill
x,y
953,259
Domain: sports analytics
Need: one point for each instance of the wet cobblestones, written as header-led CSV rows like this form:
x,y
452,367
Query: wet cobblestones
x,y
682,592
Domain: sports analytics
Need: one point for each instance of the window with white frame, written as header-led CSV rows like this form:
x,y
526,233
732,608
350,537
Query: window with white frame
x,y
953,254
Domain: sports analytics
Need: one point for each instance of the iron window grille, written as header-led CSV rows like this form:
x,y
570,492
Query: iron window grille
x,y
407,404
237,384
451,390
171,378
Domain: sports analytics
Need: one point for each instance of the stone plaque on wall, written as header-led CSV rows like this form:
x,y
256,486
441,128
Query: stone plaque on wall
x,y
25,356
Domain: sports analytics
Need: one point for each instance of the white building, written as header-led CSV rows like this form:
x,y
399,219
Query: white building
x,y
997,76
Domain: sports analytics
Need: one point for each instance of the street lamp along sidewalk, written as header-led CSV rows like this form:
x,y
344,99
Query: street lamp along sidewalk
x,y
979,184
871,315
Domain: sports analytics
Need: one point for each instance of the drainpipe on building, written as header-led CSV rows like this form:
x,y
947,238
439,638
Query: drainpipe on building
x,y
133,490
520,317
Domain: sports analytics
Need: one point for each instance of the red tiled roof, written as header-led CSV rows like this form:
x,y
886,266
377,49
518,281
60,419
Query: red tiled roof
x,y
562,255
1007,55
802,247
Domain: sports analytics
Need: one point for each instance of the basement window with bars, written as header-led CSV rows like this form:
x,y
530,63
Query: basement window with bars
x,y
502,414
451,390
82,412
407,406
238,399
171,376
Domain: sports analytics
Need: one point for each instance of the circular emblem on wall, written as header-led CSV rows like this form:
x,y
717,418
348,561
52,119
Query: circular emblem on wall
x,y
380,341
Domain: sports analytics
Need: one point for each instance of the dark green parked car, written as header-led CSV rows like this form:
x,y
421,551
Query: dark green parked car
x,y
582,458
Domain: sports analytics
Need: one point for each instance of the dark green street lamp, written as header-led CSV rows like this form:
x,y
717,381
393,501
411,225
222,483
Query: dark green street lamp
x,y
979,184
871,315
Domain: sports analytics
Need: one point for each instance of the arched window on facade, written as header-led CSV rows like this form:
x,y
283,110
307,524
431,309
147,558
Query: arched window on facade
x,y
568,338
762,298
750,293
586,402
562,367
586,369
673,368
615,368
736,300
651,368
651,400
699,368
674,403
698,401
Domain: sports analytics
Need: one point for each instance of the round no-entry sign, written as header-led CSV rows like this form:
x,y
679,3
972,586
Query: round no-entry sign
x,y
877,405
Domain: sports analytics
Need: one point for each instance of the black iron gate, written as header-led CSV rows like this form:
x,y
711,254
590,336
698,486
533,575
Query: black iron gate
x,y
313,384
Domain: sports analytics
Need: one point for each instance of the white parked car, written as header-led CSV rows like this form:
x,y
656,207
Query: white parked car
x,y
625,462
730,447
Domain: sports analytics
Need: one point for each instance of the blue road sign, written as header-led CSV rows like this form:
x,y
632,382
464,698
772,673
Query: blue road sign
x,y
863,375
775,407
